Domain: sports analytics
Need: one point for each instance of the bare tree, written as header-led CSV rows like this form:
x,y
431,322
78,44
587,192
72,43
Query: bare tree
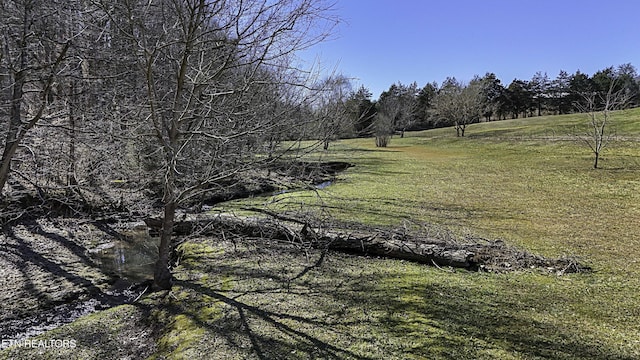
x,y
383,127
330,109
35,49
60,87
218,87
459,105
472,106
598,108
390,109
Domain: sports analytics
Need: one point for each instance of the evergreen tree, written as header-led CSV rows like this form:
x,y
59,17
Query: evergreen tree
x,y
493,94
424,106
580,84
540,88
361,111
520,97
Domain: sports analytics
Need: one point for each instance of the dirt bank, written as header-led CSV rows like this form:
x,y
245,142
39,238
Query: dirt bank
x,y
48,277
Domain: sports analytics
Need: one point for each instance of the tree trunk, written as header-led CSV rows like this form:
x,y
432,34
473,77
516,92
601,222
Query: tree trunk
x,y
471,256
71,172
5,166
17,127
12,140
595,163
366,243
539,108
162,273
373,244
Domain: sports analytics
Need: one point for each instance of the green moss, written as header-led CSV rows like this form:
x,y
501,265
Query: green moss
x,y
192,253
186,316
193,249
179,340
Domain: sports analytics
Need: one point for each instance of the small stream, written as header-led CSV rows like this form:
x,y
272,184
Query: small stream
x,y
132,259
318,186
323,185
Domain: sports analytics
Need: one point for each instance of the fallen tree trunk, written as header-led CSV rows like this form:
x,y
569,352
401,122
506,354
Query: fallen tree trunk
x,y
482,255
404,249
367,243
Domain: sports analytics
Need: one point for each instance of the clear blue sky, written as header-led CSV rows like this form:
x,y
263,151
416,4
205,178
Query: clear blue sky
x,y
381,42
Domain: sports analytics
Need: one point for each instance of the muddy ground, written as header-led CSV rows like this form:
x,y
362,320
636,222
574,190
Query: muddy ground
x,y
49,277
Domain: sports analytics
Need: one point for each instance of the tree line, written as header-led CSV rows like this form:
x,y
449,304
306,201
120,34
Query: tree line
x,y
457,104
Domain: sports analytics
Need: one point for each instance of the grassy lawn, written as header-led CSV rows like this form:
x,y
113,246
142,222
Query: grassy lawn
x,y
523,181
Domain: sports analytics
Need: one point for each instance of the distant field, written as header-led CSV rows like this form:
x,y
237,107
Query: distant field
x,y
526,181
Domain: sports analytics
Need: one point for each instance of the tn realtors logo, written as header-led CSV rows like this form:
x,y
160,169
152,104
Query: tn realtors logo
x,y
46,344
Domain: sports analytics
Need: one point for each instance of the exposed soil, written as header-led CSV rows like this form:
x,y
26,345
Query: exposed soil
x,y
280,178
48,278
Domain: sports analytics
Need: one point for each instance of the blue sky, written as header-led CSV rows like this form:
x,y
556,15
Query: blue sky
x,y
381,42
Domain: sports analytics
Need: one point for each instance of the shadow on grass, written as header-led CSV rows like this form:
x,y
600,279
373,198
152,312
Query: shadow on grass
x,y
273,345
376,166
341,147
395,209
450,321
351,307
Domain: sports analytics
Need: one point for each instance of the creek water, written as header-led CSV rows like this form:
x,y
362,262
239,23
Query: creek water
x,y
323,185
318,186
131,258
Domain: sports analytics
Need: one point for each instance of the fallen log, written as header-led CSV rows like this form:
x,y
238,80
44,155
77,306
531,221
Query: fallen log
x,y
367,243
404,249
481,255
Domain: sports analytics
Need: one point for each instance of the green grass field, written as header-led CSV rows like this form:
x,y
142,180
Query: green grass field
x,y
509,180
527,182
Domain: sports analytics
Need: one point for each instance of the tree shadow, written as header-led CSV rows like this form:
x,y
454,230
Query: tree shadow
x,y
397,209
53,281
268,346
453,315
366,150
422,319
